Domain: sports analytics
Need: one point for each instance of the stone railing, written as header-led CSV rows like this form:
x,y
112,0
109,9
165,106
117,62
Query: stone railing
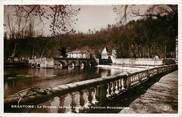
x,y
86,94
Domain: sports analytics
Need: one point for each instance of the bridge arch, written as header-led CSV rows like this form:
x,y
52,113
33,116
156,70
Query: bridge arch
x,y
72,64
60,64
83,64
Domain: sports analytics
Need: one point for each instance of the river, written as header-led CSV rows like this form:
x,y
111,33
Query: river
x,y
19,79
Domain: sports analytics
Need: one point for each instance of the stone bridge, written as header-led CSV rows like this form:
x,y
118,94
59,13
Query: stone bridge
x,y
74,62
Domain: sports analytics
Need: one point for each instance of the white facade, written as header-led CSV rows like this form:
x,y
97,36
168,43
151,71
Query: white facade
x,y
114,53
104,54
78,54
42,62
137,61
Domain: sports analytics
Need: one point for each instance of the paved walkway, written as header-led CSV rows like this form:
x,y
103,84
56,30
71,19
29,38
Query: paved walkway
x,y
162,97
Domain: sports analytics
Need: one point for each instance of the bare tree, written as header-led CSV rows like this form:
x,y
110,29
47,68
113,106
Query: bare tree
x,y
167,13
21,18
124,12
59,17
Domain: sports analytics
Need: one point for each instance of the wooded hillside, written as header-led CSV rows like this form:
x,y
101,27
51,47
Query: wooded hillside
x,y
146,37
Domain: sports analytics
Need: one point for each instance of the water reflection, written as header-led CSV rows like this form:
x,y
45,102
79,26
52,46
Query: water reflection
x,y
19,79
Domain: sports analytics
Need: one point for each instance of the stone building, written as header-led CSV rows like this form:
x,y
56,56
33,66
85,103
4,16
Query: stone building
x,y
78,54
104,54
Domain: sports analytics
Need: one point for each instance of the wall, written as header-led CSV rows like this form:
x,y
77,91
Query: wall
x,y
137,61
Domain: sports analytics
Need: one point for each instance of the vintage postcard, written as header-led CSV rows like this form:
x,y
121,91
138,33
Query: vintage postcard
x,y
66,58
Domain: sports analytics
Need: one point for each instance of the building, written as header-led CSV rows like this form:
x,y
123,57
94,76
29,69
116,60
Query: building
x,y
41,62
105,57
78,54
114,54
104,54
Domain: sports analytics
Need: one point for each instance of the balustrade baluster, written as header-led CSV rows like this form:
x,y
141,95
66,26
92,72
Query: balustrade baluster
x,y
131,79
61,104
112,88
108,90
73,103
119,84
55,102
87,103
127,82
94,100
116,87
122,84
150,73
77,101
68,101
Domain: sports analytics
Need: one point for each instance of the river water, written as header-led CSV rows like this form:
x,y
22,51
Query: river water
x,y
16,80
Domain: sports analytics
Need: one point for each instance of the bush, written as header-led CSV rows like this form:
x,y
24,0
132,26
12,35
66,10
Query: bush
x,y
168,61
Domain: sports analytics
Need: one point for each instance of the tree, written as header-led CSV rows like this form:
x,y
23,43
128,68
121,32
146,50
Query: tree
x,y
21,18
63,52
59,17
156,20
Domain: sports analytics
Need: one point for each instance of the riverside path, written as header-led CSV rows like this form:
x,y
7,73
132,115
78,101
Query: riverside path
x,y
162,97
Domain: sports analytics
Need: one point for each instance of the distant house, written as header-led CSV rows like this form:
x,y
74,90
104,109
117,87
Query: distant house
x,y
78,54
104,54
41,62
105,57
114,54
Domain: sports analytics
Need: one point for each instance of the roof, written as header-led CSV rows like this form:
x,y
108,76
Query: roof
x,y
78,52
104,51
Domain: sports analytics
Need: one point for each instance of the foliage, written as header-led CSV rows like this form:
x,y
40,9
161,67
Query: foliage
x,y
147,37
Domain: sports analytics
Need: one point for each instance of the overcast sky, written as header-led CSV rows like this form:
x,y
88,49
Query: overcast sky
x,y
95,17
90,17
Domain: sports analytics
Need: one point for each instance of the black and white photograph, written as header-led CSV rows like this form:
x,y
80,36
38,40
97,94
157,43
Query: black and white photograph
x,y
90,59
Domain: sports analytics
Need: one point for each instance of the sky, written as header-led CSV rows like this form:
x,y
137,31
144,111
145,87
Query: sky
x,y
92,17
95,17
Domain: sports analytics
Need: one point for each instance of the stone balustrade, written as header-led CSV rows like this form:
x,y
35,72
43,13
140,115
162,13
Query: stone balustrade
x,y
86,94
